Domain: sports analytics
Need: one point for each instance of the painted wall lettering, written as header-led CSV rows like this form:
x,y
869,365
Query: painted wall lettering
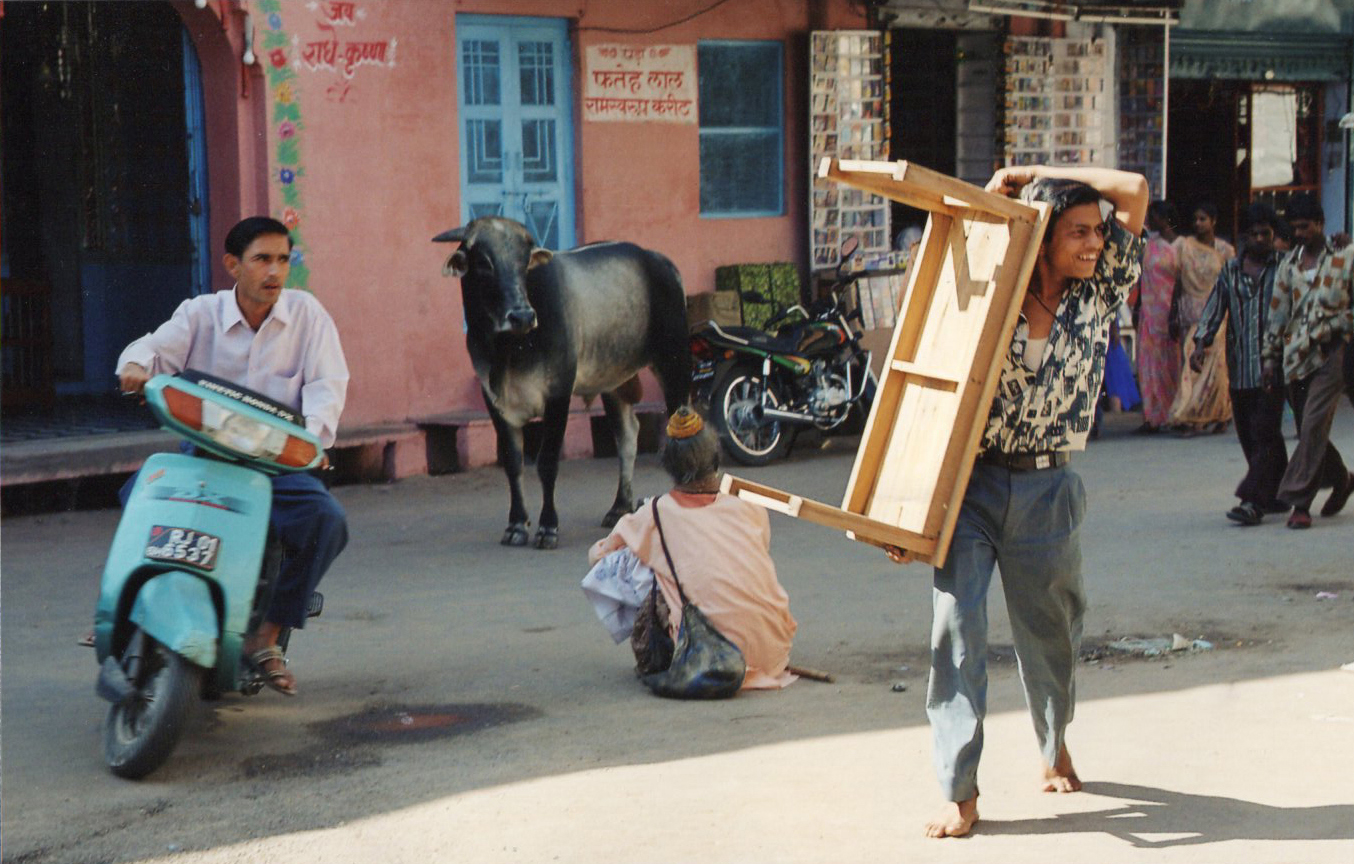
x,y
638,83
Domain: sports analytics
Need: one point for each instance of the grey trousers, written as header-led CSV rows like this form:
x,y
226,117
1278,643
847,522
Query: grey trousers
x,y
1027,523
1315,463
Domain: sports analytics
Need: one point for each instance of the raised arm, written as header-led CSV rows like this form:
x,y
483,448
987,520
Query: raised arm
x,y
1128,192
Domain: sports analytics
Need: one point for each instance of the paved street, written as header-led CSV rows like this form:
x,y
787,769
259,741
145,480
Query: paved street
x,y
459,701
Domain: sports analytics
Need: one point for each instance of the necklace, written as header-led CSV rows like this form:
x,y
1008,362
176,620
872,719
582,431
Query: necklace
x,y
1040,301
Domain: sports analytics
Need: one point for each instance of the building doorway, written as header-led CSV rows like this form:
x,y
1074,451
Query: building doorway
x,y
1238,142
104,189
516,124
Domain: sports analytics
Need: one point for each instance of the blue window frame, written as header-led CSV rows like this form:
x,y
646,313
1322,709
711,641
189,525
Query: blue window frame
x,y
742,128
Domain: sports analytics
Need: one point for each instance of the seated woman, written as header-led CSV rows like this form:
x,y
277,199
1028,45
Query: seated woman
x,y
720,546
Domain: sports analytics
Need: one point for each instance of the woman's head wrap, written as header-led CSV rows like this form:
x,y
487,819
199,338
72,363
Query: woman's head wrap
x,y
684,423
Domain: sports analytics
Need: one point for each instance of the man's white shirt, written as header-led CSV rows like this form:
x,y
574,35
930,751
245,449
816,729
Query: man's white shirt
x,y
294,357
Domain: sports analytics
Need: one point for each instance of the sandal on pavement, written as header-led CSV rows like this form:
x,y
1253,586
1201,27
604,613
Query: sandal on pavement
x,y
277,678
1300,519
1336,502
1246,513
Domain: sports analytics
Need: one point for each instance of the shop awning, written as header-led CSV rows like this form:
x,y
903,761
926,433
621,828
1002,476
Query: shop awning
x,y
1260,56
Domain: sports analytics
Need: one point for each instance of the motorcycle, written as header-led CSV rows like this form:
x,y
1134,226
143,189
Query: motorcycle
x,y
808,368
193,564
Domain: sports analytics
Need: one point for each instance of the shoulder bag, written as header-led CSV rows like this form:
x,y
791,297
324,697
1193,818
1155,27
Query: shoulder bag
x,y
705,664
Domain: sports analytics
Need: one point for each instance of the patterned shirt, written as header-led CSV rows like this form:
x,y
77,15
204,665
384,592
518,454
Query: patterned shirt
x,y
1244,303
1306,315
1052,408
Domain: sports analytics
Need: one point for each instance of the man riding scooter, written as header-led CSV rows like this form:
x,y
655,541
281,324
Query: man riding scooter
x,y
282,344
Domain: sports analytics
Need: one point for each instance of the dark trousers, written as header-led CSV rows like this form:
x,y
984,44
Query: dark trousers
x,y
312,528
1259,428
1315,464
1349,371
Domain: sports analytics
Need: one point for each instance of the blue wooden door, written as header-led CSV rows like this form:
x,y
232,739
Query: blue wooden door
x,y
515,126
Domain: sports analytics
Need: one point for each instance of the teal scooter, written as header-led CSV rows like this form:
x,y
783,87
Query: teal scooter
x,y
192,566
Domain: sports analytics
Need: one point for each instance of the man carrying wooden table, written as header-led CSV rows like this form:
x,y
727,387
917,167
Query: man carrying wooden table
x,y
1023,506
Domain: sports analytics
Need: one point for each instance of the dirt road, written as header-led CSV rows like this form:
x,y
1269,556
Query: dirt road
x,y
460,702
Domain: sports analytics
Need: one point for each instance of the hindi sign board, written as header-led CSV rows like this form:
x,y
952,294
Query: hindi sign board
x,y
640,83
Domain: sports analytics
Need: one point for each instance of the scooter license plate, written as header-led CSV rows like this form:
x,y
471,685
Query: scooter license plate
x,y
183,546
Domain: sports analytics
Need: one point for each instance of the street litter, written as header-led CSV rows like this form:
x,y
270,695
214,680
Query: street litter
x,y
1157,647
1348,667
1327,595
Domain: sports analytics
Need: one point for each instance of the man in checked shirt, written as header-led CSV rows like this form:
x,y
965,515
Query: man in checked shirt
x,y
1306,339
1023,507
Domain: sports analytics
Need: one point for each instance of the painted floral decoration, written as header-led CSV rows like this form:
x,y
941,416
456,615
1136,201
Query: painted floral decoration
x,y
287,176
286,130
277,57
290,217
275,21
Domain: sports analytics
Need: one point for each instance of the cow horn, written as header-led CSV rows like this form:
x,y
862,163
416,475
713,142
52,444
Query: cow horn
x,y
455,235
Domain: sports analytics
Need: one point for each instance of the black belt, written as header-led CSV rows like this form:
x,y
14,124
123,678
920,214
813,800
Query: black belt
x,y
1026,461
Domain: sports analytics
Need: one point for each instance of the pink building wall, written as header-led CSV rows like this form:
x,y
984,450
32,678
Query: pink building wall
x,y
373,155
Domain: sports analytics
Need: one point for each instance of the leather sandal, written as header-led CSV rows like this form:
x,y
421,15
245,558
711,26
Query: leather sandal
x,y
277,677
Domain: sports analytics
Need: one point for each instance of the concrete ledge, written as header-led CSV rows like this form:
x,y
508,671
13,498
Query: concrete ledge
x,y
86,456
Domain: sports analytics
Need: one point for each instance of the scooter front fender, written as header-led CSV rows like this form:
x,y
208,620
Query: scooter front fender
x,y
176,610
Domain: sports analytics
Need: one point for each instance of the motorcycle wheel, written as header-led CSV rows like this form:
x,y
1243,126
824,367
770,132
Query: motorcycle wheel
x,y
732,404
140,733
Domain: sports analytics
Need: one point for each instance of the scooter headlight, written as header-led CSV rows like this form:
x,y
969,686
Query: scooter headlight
x,y
254,438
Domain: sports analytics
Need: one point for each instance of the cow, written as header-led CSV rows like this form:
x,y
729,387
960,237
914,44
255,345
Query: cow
x,y
542,327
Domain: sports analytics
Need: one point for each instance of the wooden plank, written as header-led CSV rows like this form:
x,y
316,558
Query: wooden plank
x,y
866,530
913,375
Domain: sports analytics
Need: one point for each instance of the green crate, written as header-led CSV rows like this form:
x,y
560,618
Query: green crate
x,y
777,283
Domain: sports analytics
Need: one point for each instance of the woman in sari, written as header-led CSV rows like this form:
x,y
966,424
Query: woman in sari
x,y
1202,403
1158,352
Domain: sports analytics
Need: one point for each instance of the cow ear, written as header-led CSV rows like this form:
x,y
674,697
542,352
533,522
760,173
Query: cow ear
x,y
457,263
538,257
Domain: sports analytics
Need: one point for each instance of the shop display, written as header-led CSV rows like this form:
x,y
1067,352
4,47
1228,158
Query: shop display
x,y
1142,104
1056,102
848,119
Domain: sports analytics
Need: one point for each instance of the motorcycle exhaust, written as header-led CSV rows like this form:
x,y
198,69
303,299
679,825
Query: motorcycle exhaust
x,y
763,415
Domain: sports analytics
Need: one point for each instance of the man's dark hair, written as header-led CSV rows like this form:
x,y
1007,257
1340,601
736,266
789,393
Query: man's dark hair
x,y
1061,195
1261,213
246,231
1165,211
1210,209
1305,206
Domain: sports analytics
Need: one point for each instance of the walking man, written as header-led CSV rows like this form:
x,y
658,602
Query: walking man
x,y
1023,507
1242,297
1305,342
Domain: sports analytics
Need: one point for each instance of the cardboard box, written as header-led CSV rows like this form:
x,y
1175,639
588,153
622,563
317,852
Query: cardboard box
x,y
721,307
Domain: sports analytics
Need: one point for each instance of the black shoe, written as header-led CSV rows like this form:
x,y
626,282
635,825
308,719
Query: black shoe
x,y
1336,502
1246,513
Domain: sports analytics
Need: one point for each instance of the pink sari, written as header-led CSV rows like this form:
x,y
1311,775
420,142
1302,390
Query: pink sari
x,y
1158,354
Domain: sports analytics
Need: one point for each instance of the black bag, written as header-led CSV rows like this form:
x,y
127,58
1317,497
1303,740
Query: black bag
x,y
705,664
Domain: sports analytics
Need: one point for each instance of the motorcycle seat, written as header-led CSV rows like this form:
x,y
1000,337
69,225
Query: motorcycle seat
x,y
754,338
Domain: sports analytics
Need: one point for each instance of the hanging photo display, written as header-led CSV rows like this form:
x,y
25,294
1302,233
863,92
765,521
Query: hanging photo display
x,y
848,119
1057,102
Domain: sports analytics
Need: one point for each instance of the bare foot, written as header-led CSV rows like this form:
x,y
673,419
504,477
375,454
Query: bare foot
x,y
1061,777
955,819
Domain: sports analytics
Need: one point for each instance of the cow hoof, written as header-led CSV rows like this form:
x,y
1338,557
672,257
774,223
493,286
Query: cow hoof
x,y
614,515
547,538
516,535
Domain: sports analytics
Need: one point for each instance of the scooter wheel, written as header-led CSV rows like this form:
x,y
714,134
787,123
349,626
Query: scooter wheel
x,y
140,732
